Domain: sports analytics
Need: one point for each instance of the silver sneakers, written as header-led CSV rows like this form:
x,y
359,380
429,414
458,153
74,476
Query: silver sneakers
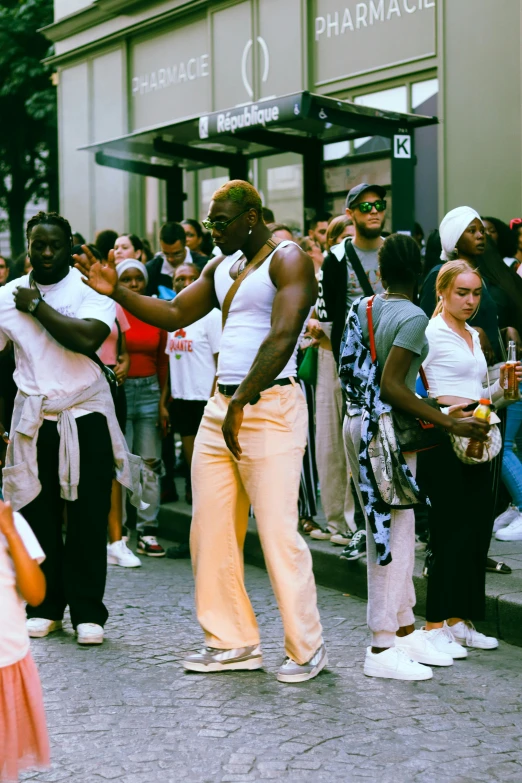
x,y
210,659
291,671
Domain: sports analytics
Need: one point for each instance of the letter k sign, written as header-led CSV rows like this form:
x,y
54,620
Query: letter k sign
x,y
402,146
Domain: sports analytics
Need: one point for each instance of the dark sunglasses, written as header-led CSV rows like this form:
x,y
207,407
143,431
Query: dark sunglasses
x,y
366,206
221,225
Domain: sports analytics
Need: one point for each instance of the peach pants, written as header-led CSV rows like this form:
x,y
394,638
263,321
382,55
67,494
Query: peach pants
x,y
272,438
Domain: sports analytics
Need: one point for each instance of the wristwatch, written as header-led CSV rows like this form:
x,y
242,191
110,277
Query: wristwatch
x,y
33,304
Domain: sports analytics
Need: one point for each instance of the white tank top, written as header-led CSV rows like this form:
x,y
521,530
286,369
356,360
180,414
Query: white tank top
x,y
248,321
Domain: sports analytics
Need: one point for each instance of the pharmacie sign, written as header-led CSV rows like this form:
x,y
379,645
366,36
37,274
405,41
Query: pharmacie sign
x,y
255,115
358,37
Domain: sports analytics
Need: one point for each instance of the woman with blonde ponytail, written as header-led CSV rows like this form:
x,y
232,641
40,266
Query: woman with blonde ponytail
x,y
462,499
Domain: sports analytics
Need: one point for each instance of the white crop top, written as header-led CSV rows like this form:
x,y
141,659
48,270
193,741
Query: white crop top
x,y
249,320
452,369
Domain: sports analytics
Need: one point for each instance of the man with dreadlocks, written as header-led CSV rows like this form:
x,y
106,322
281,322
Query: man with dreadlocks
x,y
65,440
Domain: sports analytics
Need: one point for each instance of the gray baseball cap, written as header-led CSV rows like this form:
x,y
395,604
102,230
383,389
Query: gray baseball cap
x,y
355,192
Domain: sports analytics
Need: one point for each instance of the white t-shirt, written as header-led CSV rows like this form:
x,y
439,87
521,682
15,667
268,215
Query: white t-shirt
x,y
43,365
14,639
191,357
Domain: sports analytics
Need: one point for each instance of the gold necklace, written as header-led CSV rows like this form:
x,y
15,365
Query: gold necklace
x,y
393,293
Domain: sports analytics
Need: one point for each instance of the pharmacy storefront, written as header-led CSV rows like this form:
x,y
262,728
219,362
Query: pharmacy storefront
x,y
160,105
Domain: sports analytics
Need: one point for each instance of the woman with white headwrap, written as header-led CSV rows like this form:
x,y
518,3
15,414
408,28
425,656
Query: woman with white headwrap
x,y
147,373
462,235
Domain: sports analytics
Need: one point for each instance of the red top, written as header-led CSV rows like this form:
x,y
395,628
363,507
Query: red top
x,y
146,346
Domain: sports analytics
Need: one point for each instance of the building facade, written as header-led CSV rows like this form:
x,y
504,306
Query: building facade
x,y
131,67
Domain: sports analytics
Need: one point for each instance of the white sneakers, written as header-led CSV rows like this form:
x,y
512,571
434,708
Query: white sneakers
x,y
444,641
394,664
118,553
512,531
86,633
321,535
506,518
341,539
89,633
38,627
419,647
466,634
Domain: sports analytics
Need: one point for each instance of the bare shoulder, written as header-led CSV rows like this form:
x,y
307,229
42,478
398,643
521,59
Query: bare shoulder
x,y
290,263
210,268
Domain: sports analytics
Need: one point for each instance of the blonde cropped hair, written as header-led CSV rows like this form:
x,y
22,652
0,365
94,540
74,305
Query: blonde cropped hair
x,y
447,276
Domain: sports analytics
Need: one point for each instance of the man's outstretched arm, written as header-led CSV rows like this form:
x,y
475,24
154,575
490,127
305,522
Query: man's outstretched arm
x,y
190,305
292,272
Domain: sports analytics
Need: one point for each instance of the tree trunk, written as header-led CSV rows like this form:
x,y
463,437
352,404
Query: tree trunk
x,y
16,204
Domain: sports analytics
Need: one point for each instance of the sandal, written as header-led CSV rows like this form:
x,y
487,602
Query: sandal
x,y
497,566
307,525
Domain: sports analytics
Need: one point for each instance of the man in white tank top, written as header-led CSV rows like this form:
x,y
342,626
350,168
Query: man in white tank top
x,y
251,441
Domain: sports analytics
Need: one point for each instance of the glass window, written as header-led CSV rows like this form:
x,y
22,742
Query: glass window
x,y
395,99
422,92
336,150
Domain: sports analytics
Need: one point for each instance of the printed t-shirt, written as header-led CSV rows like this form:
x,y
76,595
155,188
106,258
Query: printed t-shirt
x,y
108,351
191,355
14,639
370,264
44,366
146,348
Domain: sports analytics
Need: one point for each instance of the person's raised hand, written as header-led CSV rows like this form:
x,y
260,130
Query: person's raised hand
x,y
7,525
98,275
518,373
470,428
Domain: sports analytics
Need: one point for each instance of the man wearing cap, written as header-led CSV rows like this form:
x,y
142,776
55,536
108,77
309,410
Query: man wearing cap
x,y
349,270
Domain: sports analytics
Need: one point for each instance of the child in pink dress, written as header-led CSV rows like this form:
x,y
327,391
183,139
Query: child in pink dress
x,y
23,732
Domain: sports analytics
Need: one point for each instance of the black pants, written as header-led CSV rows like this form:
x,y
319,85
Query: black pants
x,y
460,522
76,570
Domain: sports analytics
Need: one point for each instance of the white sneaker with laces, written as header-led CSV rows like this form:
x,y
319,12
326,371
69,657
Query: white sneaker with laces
x,y
38,627
419,647
341,539
118,553
394,664
321,535
89,633
466,634
512,532
505,519
444,641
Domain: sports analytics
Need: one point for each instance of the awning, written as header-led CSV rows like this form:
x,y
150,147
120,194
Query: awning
x,y
301,122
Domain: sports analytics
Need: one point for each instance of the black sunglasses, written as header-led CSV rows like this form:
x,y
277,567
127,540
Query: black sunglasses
x,y
221,225
366,206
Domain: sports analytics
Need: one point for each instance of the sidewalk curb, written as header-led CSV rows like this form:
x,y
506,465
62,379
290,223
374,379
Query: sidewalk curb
x,y
503,593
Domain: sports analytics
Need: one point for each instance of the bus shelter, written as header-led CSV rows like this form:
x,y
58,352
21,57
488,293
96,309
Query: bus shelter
x,y
301,122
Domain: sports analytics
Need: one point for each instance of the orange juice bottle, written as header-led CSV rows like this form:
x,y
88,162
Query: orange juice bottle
x,y
476,447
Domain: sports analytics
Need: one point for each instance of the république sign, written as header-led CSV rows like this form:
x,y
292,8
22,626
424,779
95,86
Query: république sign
x,y
366,14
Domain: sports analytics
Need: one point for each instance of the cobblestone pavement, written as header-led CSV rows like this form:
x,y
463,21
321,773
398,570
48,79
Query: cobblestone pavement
x,y
126,711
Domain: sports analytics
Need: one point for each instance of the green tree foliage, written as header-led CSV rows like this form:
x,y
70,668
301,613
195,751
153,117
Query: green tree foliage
x,y
28,134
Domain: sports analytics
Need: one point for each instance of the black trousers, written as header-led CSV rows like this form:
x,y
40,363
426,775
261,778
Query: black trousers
x,y
75,570
460,522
